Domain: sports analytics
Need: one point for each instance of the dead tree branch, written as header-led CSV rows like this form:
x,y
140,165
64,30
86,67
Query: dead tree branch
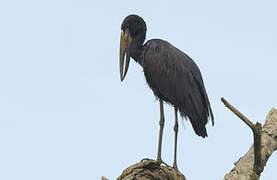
x,y
256,129
251,165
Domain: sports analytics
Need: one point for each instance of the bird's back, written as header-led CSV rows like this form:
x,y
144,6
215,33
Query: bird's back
x,y
175,78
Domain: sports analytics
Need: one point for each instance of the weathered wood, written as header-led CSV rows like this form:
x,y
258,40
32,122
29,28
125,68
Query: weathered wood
x,y
150,170
243,169
257,131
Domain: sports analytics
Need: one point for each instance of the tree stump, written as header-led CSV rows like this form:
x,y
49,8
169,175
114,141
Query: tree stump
x,y
150,170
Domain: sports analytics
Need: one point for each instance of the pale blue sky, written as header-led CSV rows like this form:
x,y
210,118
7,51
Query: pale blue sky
x,y
64,114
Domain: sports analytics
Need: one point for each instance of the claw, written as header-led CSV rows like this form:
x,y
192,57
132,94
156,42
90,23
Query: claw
x,y
158,161
162,162
175,167
145,159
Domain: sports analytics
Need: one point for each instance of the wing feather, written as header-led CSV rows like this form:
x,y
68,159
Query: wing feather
x,y
175,78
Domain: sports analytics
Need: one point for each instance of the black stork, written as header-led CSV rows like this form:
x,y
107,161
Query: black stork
x,y
171,74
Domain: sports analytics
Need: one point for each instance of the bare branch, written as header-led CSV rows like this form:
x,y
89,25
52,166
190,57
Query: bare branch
x,y
239,114
265,144
256,129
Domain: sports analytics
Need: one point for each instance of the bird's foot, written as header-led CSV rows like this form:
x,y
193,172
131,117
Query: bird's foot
x,y
175,167
158,161
146,159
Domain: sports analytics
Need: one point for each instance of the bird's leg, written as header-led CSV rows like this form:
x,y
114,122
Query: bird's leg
x,y
175,139
159,158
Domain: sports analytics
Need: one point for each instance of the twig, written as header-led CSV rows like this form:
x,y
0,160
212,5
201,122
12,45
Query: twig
x,y
256,129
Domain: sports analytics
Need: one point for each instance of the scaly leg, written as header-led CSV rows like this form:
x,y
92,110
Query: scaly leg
x,y
159,158
175,140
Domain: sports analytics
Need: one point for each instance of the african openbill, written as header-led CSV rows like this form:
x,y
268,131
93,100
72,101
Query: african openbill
x,y
171,74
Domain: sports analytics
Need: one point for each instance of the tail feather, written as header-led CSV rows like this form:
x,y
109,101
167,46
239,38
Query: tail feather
x,y
197,112
196,107
197,123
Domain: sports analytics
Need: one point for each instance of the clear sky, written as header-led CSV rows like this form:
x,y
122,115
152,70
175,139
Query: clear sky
x,y
64,114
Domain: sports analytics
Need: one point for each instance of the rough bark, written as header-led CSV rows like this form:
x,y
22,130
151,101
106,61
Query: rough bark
x,y
150,170
243,169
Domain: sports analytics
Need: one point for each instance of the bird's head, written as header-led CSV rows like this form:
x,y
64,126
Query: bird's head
x,y
133,30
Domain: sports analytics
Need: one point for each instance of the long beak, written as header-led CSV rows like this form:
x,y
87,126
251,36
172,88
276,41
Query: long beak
x,y
125,43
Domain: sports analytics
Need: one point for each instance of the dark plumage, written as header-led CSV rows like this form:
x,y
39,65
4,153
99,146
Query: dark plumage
x,y
176,79
171,74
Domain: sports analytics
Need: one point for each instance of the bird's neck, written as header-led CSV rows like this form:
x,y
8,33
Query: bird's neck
x,y
136,52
